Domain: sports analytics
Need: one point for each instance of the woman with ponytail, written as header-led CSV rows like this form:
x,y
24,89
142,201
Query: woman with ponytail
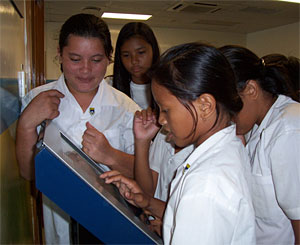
x,y
270,121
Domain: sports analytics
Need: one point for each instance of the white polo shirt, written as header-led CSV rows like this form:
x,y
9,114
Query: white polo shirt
x,y
164,161
210,202
274,150
111,112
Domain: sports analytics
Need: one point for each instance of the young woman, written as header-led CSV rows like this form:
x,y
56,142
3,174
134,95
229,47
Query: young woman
x,y
270,118
209,200
83,106
136,51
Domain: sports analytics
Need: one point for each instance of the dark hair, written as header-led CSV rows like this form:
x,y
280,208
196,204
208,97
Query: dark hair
x,y
290,67
86,25
246,65
122,78
192,69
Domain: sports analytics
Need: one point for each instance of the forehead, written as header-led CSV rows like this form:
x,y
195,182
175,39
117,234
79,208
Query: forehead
x,y
74,41
162,95
135,42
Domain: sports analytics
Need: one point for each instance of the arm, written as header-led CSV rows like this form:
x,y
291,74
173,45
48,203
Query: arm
x,y
95,144
286,178
43,106
130,190
296,228
145,129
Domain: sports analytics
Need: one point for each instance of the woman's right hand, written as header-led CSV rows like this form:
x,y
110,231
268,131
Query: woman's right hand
x,y
43,106
145,125
128,188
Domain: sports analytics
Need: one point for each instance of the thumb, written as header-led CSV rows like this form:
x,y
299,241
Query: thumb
x,y
88,125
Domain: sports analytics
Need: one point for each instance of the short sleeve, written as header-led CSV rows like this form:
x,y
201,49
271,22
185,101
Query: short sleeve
x,y
285,167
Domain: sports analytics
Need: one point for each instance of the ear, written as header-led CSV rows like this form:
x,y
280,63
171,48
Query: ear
x,y
59,55
206,106
251,90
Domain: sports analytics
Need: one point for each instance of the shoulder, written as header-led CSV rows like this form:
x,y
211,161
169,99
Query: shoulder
x,y
37,90
285,117
114,97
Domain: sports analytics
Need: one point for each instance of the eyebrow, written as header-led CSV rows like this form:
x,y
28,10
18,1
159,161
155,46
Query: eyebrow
x,y
74,54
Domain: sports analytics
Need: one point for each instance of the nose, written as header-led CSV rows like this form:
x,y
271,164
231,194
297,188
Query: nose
x,y
86,66
162,120
134,59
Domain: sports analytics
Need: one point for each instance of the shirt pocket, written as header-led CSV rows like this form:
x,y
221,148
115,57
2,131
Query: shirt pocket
x,y
264,198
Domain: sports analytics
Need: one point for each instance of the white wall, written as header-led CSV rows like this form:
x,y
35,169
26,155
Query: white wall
x,y
283,39
166,38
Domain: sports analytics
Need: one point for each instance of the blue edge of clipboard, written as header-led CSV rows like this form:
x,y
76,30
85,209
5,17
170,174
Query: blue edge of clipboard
x,y
80,201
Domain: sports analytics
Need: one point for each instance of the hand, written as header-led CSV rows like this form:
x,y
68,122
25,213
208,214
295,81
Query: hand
x,y
128,188
154,223
43,106
95,144
145,125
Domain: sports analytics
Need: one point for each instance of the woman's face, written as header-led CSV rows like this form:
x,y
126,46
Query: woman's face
x,y
246,118
84,63
173,116
136,56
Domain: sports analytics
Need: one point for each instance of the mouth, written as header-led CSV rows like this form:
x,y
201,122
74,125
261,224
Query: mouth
x,y
169,137
84,80
136,69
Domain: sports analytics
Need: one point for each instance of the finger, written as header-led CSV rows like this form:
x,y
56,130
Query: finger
x,y
149,112
144,116
109,174
56,93
89,126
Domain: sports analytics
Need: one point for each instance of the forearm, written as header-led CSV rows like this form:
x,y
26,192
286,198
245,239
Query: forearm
x,y
142,172
296,228
120,161
26,139
156,207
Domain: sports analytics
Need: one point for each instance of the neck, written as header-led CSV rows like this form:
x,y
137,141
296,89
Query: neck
x,y
84,99
265,103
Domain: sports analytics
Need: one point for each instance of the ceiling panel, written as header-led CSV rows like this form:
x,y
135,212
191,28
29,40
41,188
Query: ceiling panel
x,y
229,16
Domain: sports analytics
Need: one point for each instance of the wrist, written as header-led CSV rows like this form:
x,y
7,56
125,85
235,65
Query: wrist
x,y
143,142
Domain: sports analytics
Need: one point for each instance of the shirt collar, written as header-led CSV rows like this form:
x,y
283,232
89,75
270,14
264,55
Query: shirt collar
x,y
215,140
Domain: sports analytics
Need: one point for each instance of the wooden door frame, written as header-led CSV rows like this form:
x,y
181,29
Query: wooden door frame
x,y
35,76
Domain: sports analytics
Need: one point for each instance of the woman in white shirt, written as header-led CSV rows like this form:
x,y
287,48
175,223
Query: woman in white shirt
x,y
209,201
136,51
271,120
93,114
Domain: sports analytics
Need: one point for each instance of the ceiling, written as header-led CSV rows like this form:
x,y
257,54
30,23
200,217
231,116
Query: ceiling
x,y
225,16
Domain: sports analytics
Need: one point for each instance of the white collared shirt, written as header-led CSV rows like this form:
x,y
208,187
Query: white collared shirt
x,y
164,161
209,198
274,150
111,112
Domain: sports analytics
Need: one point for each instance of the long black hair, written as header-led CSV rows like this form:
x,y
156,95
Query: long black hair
x,y
271,76
121,77
192,69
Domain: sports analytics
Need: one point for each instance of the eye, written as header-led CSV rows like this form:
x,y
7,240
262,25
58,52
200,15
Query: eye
x,y
97,60
75,59
142,52
124,55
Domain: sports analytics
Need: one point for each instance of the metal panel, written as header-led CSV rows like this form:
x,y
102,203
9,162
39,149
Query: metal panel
x,y
71,180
